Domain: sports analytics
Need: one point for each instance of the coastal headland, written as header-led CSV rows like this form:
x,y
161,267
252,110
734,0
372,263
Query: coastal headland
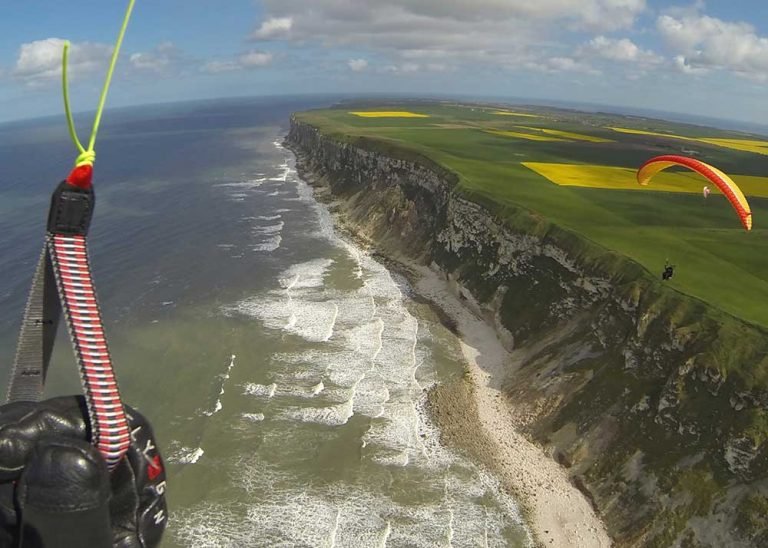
x,y
604,396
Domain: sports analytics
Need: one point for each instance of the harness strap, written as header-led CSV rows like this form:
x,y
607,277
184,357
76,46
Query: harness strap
x,y
109,426
38,333
63,281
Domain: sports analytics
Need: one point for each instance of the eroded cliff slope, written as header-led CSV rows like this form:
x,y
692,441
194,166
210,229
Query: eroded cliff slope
x,y
655,402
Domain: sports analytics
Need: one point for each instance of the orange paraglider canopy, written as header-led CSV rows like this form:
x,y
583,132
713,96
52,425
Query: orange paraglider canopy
x,y
726,185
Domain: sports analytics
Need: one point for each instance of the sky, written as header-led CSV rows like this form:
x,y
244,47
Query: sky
x,y
702,57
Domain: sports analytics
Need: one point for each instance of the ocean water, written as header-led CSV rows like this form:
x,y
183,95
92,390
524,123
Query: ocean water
x,y
284,369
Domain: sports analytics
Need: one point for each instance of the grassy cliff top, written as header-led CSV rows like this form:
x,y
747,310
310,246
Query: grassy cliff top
x,y
576,170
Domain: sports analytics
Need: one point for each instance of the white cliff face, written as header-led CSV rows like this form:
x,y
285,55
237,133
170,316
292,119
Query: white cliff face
x,y
666,426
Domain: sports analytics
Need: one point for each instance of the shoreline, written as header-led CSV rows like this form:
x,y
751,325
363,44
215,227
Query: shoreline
x,y
556,512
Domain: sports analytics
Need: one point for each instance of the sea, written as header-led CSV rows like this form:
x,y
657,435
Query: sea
x,y
284,369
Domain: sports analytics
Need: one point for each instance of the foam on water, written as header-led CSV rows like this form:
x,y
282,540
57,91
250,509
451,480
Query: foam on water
x,y
292,389
252,389
361,354
325,227
269,229
335,415
224,378
295,309
185,455
269,244
355,253
267,238
307,275
334,530
248,185
369,332
328,516
242,190
310,320
333,322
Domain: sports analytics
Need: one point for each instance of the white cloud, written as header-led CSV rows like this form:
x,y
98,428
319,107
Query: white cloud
x,y
215,67
438,67
272,28
695,8
39,62
700,42
249,60
357,65
497,33
681,64
605,15
562,64
411,68
255,59
600,14
159,60
622,50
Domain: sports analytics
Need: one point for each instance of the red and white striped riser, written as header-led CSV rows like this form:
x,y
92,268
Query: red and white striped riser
x,y
109,425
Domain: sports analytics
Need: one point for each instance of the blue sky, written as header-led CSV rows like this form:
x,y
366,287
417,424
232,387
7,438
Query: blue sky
x,y
706,58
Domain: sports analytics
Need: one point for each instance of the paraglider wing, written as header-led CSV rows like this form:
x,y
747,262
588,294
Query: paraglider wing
x,y
729,189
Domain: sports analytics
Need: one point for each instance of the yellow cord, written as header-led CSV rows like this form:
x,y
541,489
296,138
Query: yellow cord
x,y
65,87
88,156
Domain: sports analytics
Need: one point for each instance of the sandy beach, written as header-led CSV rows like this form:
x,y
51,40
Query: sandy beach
x,y
558,513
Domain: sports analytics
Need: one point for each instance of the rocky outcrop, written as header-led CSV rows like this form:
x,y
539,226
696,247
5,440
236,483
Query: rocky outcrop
x,y
654,401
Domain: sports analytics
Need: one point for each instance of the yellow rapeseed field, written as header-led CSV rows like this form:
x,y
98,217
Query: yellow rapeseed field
x,y
510,113
622,178
569,135
745,145
529,136
653,133
388,114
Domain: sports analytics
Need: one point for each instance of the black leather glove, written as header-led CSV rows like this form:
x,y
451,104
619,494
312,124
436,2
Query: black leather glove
x,y
56,491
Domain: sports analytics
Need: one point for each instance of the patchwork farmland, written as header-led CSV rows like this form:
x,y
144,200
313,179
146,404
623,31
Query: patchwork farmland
x,y
577,170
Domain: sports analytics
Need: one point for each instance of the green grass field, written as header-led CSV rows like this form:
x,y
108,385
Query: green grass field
x,y
717,261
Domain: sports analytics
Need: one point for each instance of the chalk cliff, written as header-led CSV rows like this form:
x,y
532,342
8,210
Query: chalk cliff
x,y
654,402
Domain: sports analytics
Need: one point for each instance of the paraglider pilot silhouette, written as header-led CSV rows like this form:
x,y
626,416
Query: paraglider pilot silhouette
x,y
725,184
669,271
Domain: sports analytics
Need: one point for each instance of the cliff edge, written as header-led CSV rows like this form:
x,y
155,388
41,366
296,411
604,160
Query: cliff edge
x,y
653,401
